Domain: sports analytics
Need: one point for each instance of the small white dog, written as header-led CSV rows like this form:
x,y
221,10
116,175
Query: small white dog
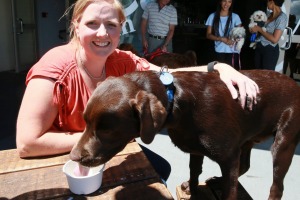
x,y
258,18
238,34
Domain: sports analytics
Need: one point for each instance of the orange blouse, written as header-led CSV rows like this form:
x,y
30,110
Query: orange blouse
x,y
70,93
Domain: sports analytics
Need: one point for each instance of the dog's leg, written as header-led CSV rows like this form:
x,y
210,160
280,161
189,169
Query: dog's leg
x,y
245,157
230,173
282,151
196,161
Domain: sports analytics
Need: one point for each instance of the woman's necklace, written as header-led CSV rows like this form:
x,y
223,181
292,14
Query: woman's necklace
x,y
102,76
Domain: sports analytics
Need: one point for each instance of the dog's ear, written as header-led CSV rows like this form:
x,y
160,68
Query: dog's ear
x,y
151,112
265,17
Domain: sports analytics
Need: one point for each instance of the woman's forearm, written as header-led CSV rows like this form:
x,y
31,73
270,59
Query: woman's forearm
x,y
50,143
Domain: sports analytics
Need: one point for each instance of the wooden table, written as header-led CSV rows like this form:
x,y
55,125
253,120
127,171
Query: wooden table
x,y
128,175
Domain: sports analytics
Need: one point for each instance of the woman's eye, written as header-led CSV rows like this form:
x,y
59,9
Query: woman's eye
x,y
112,25
90,23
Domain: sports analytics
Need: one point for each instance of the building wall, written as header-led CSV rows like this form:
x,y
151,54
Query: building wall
x,y
7,56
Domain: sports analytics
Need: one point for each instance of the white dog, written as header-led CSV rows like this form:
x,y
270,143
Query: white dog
x,y
238,34
258,18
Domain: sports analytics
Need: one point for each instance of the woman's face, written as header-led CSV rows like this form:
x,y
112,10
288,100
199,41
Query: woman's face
x,y
99,29
226,4
270,4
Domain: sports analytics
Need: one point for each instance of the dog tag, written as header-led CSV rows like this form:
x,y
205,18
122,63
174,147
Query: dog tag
x,y
166,78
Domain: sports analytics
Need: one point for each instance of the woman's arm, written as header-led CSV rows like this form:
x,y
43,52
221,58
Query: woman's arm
x,y
247,87
274,38
211,36
36,116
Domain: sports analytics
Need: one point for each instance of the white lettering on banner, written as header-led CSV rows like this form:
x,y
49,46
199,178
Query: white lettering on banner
x,y
128,11
131,8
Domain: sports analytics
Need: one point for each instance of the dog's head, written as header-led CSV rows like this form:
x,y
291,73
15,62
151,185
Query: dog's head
x,y
258,16
118,111
237,33
128,47
175,60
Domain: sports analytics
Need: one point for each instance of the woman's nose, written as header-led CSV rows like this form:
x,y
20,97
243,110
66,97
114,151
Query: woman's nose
x,y
101,31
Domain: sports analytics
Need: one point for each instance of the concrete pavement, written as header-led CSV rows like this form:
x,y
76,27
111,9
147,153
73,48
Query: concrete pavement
x,y
256,181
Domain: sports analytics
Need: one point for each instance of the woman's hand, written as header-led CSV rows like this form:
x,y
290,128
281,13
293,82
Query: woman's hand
x,y
248,89
227,41
255,29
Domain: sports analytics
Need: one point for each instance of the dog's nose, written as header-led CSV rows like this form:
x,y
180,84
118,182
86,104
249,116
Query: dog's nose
x,y
75,155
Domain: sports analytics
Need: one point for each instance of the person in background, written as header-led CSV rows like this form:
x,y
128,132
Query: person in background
x,y
267,48
290,55
219,25
59,85
157,26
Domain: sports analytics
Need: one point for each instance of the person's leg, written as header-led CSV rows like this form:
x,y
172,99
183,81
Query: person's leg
x,y
270,57
161,165
223,57
258,56
154,44
236,61
228,59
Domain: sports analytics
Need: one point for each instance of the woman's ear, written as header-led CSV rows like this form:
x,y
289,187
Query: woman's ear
x,y
76,28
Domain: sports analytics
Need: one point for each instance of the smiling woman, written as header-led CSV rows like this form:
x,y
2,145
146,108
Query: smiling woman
x,y
60,84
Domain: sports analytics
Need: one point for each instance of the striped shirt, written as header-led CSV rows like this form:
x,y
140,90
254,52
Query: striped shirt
x,y
279,23
159,20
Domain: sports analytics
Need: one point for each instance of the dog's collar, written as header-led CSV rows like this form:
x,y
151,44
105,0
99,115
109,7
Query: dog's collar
x,y
167,79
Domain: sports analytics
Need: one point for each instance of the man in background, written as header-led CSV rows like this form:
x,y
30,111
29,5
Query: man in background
x,y
157,26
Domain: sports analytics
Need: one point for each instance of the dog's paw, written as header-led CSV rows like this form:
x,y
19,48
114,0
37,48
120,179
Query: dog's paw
x,y
240,44
185,186
252,24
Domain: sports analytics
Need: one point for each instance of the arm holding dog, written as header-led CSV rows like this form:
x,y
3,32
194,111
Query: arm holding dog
x,y
272,37
247,87
211,36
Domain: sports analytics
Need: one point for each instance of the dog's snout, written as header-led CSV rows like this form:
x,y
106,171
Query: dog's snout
x,y
75,155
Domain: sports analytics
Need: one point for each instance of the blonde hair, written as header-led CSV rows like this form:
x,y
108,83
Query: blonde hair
x,y
79,8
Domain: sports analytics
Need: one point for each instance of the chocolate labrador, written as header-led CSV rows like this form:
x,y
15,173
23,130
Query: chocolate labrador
x,y
175,60
201,118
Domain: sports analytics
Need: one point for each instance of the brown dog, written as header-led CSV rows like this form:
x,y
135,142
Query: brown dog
x,y
203,121
175,60
128,47
160,58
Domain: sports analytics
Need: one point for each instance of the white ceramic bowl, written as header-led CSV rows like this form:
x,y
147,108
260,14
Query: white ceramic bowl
x,y
83,184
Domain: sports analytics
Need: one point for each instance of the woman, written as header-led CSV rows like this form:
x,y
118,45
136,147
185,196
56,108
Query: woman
x,y
267,49
59,85
219,25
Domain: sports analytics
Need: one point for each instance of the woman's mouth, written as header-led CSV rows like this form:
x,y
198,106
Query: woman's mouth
x,y
101,44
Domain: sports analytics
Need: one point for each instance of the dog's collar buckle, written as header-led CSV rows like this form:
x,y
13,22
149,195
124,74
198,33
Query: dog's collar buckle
x,y
167,79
